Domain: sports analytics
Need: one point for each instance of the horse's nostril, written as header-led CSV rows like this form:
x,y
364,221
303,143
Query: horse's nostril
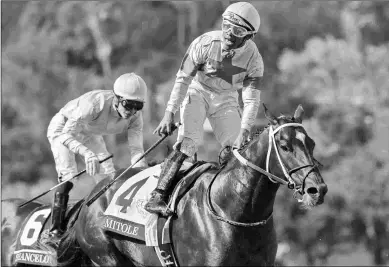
x,y
312,190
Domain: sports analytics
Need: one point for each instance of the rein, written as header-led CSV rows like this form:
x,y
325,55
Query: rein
x,y
273,178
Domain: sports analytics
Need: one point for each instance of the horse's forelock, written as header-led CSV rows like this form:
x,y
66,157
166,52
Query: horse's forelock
x,y
286,118
282,118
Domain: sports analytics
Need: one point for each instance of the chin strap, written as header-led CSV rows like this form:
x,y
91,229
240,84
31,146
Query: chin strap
x,y
115,104
116,107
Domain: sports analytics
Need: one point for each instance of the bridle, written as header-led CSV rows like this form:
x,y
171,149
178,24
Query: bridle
x,y
288,174
273,178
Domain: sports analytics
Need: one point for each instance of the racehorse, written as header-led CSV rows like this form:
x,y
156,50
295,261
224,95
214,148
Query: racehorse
x,y
225,218
13,219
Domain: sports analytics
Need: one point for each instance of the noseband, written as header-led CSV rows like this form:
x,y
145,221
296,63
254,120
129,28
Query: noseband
x,y
288,181
273,178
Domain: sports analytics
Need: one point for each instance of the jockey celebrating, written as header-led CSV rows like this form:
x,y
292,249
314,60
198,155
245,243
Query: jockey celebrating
x,y
215,66
78,128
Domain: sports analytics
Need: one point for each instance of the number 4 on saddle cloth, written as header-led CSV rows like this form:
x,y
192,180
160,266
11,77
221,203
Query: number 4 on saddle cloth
x,y
126,215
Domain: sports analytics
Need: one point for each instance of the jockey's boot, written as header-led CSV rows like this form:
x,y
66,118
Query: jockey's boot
x,y
224,155
61,199
159,196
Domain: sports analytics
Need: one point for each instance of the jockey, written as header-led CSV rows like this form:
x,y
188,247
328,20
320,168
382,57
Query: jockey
x,y
215,66
78,128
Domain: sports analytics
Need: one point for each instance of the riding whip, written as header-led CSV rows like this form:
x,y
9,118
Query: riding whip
x,y
61,183
105,188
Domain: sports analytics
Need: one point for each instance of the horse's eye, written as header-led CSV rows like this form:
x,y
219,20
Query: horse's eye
x,y
284,146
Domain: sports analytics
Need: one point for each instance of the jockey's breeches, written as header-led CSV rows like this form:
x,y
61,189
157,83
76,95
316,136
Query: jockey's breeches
x,y
222,111
65,161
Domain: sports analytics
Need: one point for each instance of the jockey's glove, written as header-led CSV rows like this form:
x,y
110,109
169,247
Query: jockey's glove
x,y
92,163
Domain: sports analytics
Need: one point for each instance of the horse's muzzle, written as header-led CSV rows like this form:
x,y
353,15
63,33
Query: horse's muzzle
x,y
317,192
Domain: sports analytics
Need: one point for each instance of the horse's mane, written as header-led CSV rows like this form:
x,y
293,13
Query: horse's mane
x,y
256,133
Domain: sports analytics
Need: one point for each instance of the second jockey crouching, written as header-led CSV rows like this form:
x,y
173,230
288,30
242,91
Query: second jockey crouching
x,y
78,128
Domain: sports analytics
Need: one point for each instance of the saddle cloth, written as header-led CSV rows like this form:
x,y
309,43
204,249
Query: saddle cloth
x,y
125,213
33,246
29,249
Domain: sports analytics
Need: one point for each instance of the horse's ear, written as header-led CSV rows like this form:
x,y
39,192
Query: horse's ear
x,y
299,114
269,116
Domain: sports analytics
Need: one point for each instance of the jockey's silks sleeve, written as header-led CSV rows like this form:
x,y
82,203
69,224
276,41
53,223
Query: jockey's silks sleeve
x,y
207,67
251,100
77,113
135,141
251,91
178,92
192,61
94,114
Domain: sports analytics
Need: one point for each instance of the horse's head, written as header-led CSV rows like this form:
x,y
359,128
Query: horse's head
x,y
291,156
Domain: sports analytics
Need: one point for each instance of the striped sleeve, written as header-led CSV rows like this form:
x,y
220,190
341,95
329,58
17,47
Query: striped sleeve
x,y
193,59
251,92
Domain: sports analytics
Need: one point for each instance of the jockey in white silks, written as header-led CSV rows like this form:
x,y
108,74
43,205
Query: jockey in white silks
x,y
78,128
215,66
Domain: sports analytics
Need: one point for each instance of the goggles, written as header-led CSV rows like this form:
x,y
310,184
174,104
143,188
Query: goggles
x,y
131,104
236,30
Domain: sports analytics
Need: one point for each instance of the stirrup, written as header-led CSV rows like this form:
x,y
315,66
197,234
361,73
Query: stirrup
x,y
168,212
56,233
52,240
165,211
158,205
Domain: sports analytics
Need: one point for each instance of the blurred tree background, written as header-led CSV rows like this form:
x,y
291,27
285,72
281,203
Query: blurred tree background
x,y
332,57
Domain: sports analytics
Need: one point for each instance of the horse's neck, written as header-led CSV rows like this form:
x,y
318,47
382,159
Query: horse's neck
x,y
242,193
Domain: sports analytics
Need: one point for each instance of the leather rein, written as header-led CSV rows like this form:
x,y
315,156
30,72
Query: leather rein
x,y
273,178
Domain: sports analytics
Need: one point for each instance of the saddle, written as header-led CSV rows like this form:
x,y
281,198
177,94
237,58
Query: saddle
x,y
33,243
126,216
186,179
